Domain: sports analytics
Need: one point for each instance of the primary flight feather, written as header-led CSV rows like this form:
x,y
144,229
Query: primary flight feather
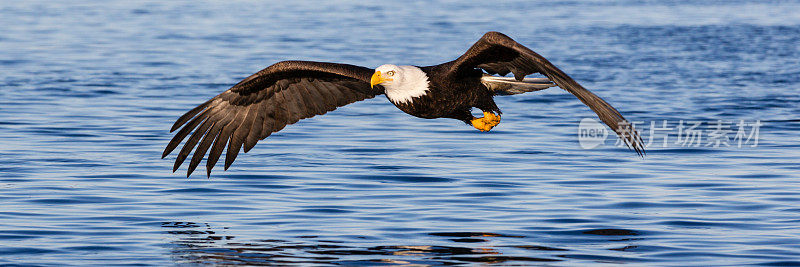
x,y
289,91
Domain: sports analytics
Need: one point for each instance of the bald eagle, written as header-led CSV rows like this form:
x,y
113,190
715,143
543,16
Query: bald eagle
x,y
289,91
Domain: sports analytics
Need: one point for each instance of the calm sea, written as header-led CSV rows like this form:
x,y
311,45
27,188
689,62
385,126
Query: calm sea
x,y
89,90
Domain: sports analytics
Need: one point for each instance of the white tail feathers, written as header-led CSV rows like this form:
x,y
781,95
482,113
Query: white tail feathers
x,y
510,86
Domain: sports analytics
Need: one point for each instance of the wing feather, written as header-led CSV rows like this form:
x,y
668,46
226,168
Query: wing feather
x,y
252,137
190,143
302,101
235,124
203,146
309,94
237,138
317,91
262,104
269,119
211,138
282,112
219,145
188,115
326,91
293,104
496,53
337,95
183,133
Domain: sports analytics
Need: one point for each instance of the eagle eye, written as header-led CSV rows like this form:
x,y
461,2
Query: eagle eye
x,y
390,73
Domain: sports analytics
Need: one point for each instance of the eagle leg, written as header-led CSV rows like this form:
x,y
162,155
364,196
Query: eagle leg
x,y
487,122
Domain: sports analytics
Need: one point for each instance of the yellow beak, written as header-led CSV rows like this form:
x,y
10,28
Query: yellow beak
x,y
376,79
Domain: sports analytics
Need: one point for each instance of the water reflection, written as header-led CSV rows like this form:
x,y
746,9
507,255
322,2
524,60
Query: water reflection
x,y
200,243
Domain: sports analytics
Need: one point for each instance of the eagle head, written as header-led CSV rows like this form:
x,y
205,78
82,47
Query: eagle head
x,y
402,83
385,74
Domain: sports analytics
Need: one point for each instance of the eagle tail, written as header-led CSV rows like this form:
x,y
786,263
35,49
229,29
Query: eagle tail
x,y
511,86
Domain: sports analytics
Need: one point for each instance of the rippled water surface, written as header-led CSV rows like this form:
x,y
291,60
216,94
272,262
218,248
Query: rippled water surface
x,y
88,91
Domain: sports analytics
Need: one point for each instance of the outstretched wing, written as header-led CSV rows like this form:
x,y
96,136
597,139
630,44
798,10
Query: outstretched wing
x,y
264,103
496,53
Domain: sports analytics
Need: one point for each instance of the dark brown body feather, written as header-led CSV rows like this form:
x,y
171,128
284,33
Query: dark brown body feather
x,y
289,91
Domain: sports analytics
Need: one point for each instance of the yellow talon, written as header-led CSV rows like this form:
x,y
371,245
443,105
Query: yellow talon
x,y
487,122
480,124
494,119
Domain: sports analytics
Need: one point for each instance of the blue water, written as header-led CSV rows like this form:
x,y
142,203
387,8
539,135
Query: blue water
x,y
88,91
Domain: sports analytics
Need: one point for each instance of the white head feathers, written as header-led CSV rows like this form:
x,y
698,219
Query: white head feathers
x,y
403,83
